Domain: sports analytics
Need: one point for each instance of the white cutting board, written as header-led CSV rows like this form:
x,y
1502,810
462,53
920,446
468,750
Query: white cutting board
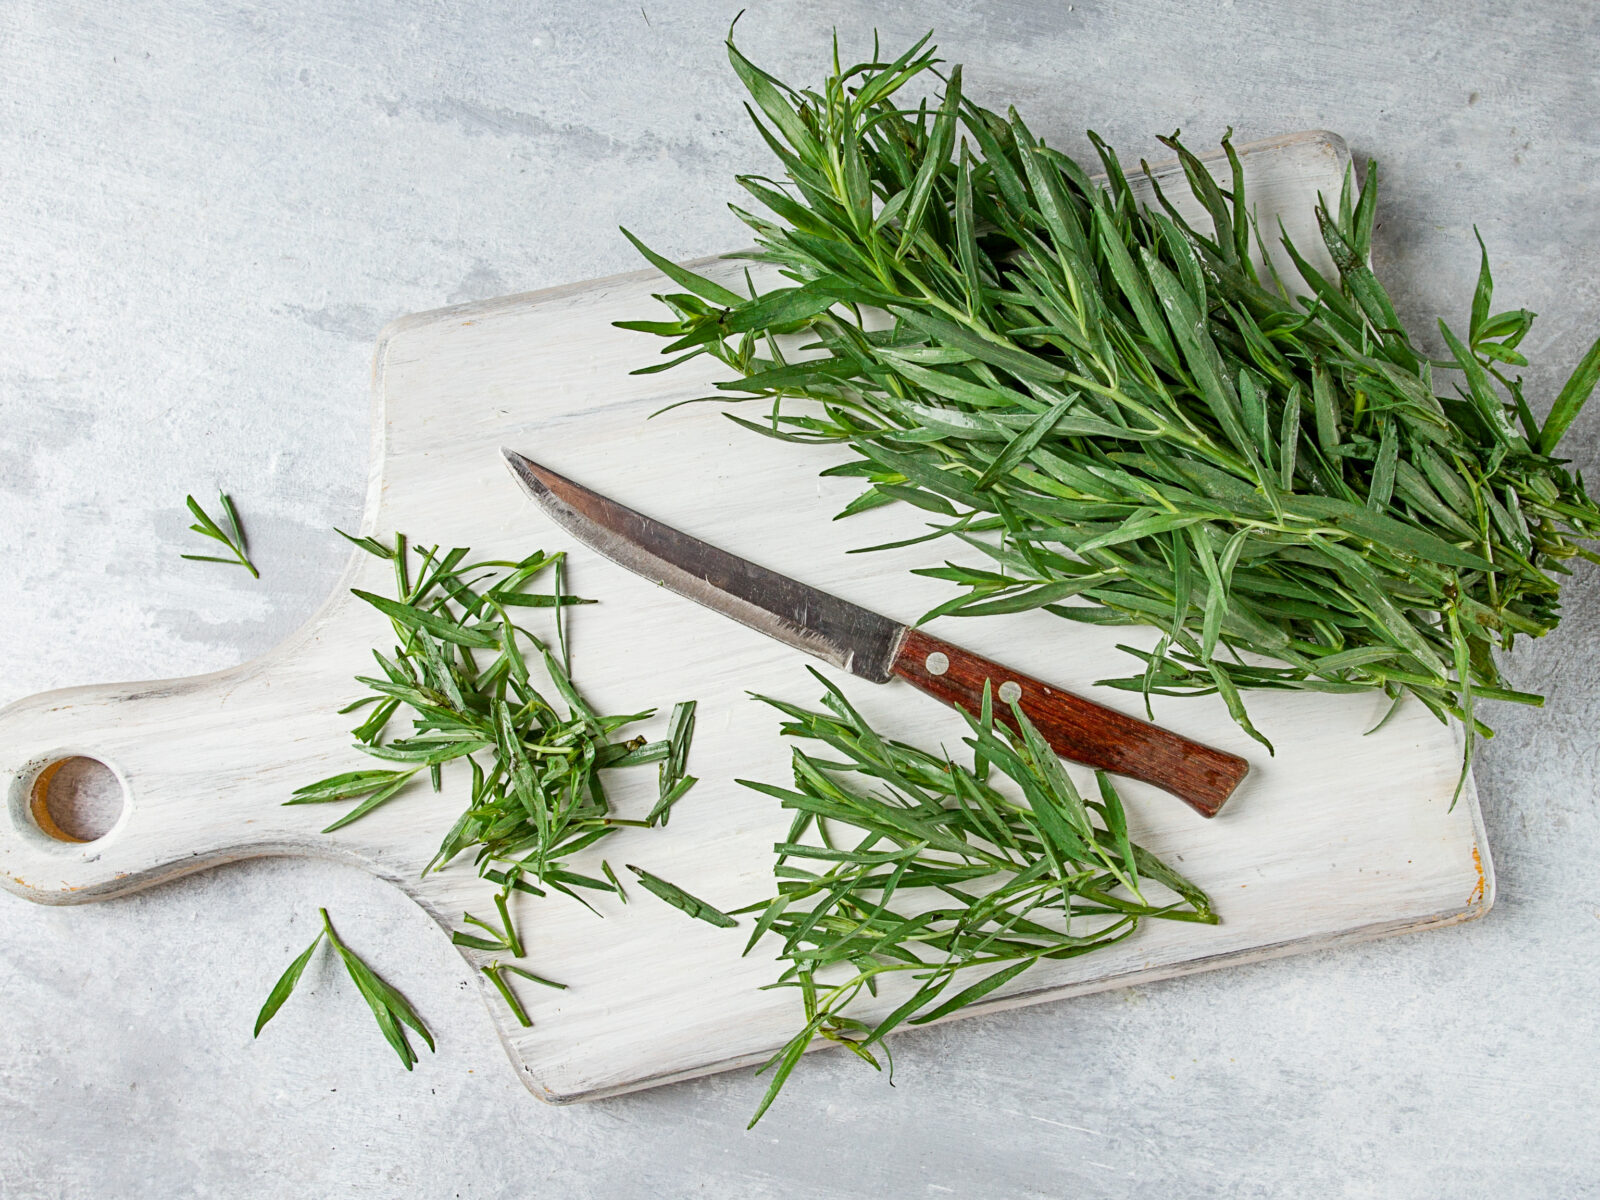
x,y
1338,838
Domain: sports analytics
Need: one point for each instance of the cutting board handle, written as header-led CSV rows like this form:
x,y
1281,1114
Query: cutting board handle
x,y
1079,729
190,757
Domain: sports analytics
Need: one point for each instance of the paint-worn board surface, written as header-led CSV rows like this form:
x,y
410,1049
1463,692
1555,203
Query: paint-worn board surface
x,y
1339,837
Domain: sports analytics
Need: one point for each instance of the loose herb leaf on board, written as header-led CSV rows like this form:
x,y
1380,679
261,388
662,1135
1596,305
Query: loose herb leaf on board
x,y
680,899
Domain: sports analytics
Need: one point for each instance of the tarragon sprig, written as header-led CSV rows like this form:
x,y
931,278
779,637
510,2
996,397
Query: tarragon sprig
x,y
232,537
390,1009
904,862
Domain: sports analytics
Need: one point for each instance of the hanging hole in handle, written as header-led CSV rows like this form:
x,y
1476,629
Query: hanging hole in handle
x,y
77,799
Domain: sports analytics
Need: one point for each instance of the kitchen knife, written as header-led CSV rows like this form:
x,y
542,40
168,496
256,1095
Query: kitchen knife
x,y
876,648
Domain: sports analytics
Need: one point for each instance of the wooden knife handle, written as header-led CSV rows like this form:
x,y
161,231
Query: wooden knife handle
x,y
1079,729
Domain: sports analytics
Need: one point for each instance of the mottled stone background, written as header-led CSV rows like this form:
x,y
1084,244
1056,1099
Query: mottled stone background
x,y
207,212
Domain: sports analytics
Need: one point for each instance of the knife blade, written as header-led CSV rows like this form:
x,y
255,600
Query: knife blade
x,y
876,648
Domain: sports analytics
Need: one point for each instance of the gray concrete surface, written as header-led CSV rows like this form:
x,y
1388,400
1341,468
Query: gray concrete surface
x,y
208,210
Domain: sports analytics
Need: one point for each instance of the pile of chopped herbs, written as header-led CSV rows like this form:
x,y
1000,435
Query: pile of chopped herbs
x,y
461,672
899,860
1143,417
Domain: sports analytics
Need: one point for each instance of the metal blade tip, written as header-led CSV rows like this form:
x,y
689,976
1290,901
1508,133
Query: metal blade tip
x,y
526,472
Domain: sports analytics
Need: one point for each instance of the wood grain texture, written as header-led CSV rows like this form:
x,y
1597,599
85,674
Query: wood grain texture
x,y
1085,732
1337,838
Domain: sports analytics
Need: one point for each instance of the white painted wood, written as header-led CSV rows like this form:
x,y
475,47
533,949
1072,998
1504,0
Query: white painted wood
x,y
1339,837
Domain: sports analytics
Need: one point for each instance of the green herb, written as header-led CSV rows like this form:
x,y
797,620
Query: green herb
x,y
670,774
389,1008
680,899
232,537
616,884
902,861
496,973
465,673
1137,420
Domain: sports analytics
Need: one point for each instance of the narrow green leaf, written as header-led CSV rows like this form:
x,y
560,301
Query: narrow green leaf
x,y
1574,395
1482,295
416,618
682,900
786,1060
1023,444
382,796
285,985
685,278
975,992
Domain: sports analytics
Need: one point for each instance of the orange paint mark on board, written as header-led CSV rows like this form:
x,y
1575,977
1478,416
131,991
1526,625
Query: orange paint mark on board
x,y
1483,884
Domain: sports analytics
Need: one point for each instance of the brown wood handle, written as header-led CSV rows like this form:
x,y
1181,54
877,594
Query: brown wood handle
x,y
1079,729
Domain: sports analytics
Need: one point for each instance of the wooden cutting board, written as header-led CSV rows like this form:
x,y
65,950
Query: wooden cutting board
x,y
1339,837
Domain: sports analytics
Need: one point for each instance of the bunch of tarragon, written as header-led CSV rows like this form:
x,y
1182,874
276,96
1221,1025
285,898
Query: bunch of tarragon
x,y
1139,421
